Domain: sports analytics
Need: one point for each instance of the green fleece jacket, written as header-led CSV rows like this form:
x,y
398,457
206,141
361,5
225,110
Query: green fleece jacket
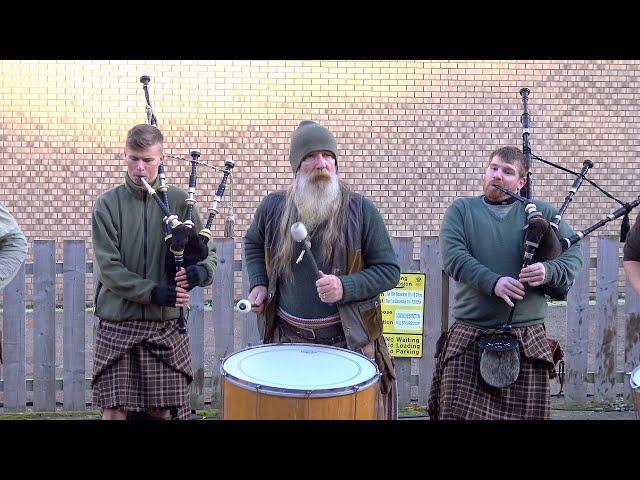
x,y
129,249
478,247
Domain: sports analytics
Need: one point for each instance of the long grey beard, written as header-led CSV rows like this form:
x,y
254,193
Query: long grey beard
x,y
316,201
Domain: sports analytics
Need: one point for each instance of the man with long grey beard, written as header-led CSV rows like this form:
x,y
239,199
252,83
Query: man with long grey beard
x,y
353,252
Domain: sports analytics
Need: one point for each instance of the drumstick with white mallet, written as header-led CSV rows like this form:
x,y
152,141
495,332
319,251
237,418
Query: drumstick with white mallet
x,y
244,306
300,234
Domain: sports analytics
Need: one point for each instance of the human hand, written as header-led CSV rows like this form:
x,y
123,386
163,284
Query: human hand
x,y
533,274
508,288
257,296
192,276
329,288
169,296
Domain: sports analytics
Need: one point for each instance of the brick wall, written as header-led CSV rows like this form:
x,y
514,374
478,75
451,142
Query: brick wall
x,y
413,135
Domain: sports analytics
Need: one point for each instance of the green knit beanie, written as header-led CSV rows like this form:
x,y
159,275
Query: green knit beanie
x,y
310,137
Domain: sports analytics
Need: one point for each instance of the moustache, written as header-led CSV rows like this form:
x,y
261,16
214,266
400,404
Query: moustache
x,y
499,184
320,174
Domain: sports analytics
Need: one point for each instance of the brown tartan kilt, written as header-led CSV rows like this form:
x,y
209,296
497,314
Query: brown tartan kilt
x,y
458,391
388,406
142,365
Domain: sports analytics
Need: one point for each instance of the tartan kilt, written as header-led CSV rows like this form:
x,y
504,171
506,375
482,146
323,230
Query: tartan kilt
x,y
458,391
142,365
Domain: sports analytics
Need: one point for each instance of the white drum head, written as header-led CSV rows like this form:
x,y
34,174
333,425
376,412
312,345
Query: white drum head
x,y
635,378
300,369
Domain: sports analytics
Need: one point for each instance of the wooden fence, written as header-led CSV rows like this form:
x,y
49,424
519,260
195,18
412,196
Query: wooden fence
x,y
414,375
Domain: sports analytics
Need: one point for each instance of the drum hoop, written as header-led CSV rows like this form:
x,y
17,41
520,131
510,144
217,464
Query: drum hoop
x,y
634,385
297,392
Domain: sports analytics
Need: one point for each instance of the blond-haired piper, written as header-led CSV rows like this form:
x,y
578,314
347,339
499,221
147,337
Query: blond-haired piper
x,y
141,363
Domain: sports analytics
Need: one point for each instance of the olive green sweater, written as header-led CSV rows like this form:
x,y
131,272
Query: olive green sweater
x,y
129,249
478,247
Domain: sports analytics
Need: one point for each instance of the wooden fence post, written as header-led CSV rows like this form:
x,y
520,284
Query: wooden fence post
x,y
74,279
196,344
223,324
431,264
451,300
44,325
606,309
13,347
404,250
577,343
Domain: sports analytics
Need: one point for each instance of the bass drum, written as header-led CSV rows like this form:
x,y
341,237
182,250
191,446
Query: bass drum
x,y
299,381
635,389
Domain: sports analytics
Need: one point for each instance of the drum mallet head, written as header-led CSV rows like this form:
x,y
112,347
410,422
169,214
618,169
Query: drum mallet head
x,y
243,306
300,234
299,231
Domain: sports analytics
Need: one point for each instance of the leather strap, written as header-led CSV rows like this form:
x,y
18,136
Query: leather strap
x,y
326,335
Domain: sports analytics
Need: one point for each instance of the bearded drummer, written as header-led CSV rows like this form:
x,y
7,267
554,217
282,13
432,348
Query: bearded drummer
x,y
481,239
328,292
142,365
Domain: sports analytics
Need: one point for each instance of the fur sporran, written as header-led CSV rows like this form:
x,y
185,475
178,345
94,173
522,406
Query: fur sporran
x,y
499,359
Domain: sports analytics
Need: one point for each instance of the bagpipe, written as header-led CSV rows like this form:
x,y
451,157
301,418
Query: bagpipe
x,y
185,247
542,240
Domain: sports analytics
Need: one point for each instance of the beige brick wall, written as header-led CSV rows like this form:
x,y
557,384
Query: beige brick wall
x,y
413,135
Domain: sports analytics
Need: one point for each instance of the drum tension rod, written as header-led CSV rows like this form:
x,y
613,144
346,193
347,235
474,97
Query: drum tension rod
x,y
258,387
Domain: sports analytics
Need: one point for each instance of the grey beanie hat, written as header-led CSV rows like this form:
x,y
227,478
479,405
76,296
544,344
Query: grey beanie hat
x,y
310,137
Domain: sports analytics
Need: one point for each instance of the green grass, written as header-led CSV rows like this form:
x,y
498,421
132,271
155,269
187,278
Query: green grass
x,y
412,411
206,414
591,406
86,415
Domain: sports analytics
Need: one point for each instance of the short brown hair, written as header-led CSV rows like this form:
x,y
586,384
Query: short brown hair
x,y
144,136
512,156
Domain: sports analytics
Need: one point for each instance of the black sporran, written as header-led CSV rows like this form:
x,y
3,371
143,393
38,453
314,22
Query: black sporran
x,y
499,359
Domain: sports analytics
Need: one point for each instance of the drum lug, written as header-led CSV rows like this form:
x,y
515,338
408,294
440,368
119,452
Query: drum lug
x,y
258,387
355,389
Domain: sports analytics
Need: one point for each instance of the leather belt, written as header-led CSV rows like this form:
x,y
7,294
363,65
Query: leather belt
x,y
326,335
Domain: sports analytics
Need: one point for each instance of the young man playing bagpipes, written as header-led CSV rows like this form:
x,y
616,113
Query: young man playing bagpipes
x,y
142,364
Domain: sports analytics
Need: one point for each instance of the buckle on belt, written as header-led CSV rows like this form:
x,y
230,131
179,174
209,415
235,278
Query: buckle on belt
x,y
303,329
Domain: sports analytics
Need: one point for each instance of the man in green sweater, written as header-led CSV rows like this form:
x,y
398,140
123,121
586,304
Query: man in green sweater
x,y
355,259
142,364
482,248
631,256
